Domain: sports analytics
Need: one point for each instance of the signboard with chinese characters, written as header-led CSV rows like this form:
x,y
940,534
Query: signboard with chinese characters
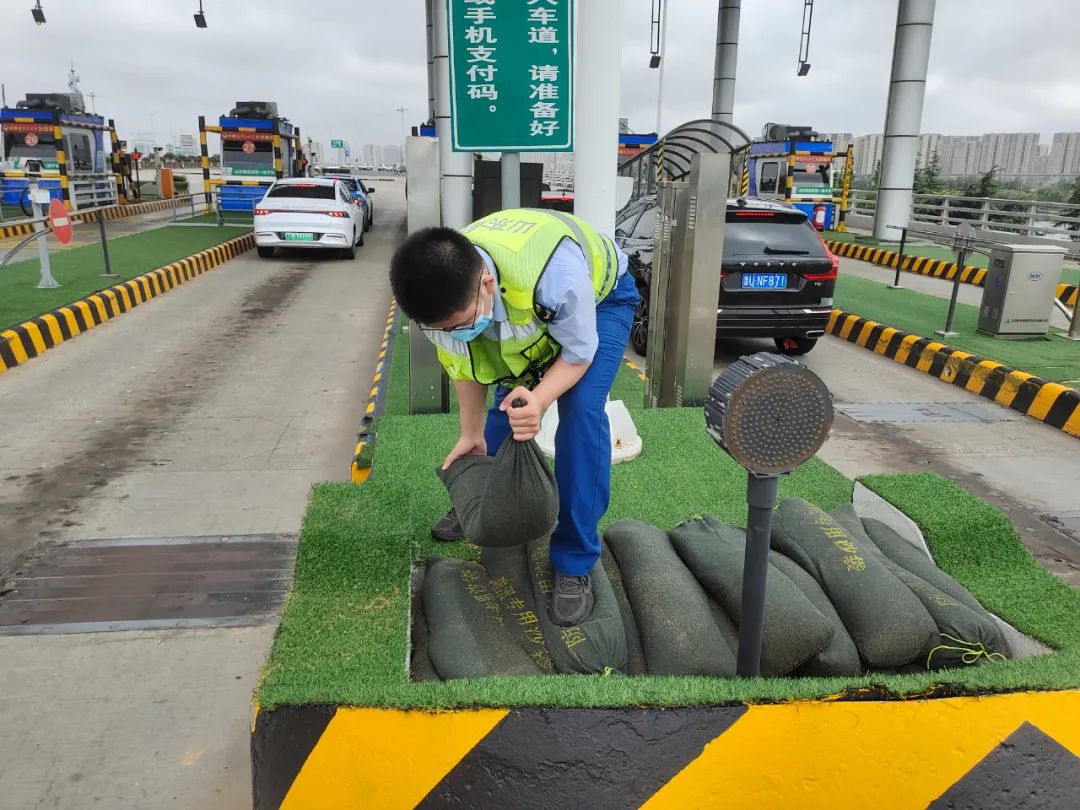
x,y
336,144
511,75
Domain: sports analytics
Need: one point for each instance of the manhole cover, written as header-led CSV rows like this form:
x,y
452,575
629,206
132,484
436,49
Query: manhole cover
x,y
925,412
150,583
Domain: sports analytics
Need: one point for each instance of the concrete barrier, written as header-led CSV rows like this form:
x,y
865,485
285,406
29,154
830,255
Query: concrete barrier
x,y
37,335
853,751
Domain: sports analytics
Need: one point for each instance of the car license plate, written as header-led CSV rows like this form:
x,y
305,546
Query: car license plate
x,y
299,237
764,281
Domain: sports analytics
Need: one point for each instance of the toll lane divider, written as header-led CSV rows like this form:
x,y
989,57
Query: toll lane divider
x,y
364,451
936,268
114,212
30,338
955,752
1050,402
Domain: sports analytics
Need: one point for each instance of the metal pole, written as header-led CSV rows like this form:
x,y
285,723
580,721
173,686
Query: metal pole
x,y
455,168
900,260
1074,322
511,180
596,111
105,244
663,62
727,53
760,500
430,63
903,115
47,282
961,256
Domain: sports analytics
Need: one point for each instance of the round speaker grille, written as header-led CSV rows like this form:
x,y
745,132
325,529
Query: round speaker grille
x,y
769,413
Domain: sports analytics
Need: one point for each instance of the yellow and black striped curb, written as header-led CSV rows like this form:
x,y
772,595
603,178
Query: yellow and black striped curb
x,y
30,338
1049,402
1067,294
952,752
365,437
114,212
938,268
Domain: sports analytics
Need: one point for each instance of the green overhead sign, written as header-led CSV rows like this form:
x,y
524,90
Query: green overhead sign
x,y
511,75
335,144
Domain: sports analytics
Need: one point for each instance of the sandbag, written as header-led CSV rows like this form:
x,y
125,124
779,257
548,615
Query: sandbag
x,y
966,636
679,633
794,630
840,657
635,655
598,644
467,632
904,554
508,571
420,666
506,500
889,625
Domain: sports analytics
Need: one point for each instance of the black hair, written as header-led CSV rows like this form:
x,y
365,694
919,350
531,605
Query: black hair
x,y
434,274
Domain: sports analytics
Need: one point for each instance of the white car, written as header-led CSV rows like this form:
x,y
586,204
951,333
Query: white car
x,y
314,213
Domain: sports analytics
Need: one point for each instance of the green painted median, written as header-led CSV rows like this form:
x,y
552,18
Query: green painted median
x,y
1052,359
79,269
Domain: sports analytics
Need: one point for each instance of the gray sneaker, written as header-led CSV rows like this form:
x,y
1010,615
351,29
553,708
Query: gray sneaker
x,y
573,600
448,528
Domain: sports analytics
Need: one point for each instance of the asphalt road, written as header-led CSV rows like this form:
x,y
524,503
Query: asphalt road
x,y
208,411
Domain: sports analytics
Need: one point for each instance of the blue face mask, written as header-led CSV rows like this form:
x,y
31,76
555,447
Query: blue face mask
x,y
468,333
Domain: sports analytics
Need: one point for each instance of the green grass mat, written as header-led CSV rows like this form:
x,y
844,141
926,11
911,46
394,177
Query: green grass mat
x,y
1054,359
343,638
79,269
1069,275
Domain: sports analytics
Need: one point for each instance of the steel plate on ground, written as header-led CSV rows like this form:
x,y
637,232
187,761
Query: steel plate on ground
x,y
148,583
926,412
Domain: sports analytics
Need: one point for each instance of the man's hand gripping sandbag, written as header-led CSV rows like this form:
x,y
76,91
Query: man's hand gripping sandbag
x,y
506,500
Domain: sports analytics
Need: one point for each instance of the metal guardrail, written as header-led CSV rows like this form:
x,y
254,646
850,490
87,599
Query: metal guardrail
x,y
1059,222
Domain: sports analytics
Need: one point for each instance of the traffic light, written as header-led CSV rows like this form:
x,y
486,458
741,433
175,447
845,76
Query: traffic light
x,y
135,155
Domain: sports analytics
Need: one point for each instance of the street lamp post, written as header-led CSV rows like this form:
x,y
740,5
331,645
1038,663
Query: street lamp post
x,y
402,110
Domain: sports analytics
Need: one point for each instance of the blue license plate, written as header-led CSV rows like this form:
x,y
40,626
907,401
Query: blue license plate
x,y
764,281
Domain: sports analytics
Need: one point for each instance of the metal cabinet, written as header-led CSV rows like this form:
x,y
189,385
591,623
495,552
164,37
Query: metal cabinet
x,y
1018,296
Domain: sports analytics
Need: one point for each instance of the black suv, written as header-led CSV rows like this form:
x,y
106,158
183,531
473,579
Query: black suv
x,y
776,277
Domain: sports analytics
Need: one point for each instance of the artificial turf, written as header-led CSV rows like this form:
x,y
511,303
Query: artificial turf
x,y
344,632
1052,358
1069,275
79,269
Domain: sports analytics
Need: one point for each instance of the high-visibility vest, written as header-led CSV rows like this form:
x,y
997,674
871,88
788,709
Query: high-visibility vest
x,y
521,242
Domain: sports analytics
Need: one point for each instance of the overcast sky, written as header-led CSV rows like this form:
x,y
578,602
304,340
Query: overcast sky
x,y
341,68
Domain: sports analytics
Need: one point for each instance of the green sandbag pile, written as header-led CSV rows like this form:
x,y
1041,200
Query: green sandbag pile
x,y
679,631
794,629
966,635
598,644
840,656
506,500
887,622
467,630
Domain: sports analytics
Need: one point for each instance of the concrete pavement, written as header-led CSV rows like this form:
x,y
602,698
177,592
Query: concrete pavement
x,y
208,411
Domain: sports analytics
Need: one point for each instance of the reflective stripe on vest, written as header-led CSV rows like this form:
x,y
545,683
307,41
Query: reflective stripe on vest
x,y
579,237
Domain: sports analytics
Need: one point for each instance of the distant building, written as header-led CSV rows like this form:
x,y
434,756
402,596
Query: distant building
x,y
372,154
867,153
840,140
1064,158
391,153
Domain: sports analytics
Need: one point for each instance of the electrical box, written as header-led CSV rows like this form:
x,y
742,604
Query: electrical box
x,y
1018,296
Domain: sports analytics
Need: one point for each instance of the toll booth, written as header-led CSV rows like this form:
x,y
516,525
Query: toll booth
x,y
51,139
792,165
257,147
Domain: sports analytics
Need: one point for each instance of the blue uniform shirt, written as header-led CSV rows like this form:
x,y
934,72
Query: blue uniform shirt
x,y
566,288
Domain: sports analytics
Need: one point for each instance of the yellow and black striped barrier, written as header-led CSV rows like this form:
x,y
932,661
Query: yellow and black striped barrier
x,y
984,752
112,212
1050,402
360,470
1067,294
31,338
938,268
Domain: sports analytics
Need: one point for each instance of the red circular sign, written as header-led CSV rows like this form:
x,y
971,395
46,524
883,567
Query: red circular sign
x,y
61,222
248,147
30,139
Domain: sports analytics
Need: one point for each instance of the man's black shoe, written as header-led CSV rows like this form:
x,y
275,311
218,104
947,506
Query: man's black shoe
x,y
448,528
572,601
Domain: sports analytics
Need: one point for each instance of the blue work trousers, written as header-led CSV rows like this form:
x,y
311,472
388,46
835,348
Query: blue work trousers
x,y
583,440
